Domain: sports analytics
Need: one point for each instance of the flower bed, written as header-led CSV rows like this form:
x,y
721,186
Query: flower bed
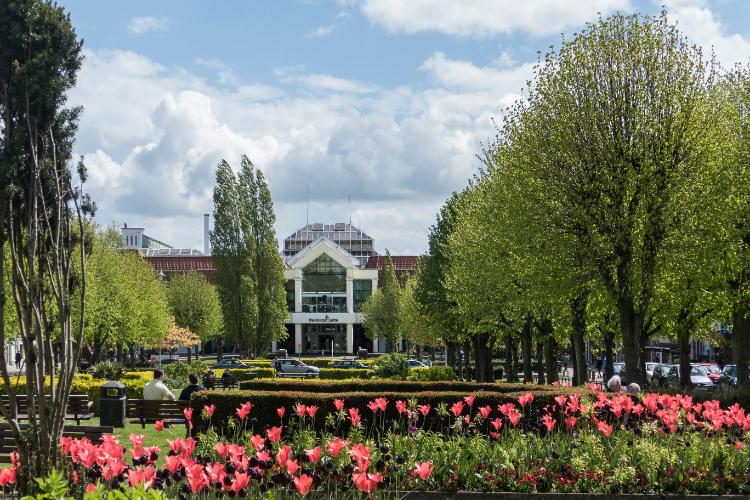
x,y
565,443
387,385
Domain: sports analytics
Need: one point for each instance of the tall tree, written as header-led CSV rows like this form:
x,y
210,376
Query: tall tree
x,y
231,247
250,274
194,304
268,267
380,312
611,132
42,214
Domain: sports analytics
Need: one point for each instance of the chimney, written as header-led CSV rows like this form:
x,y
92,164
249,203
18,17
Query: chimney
x,y
206,246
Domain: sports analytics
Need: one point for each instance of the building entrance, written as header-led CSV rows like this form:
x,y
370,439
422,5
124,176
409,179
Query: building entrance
x,y
317,339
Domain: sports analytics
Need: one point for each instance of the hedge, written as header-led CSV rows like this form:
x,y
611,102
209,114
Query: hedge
x,y
345,373
386,385
434,373
265,403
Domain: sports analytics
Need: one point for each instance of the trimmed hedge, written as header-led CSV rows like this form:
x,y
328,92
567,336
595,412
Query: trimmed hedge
x,y
265,403
345,373
386,385
434,373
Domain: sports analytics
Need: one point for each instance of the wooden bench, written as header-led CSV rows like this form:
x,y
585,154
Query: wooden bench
x,y
144,411
220,383
79,407
8,441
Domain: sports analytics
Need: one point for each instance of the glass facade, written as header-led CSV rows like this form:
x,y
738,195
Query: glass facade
x,y
324,286
289,287
362,290
317,338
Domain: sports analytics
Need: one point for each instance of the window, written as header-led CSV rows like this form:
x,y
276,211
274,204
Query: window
x,y
324,286
362,290
289,287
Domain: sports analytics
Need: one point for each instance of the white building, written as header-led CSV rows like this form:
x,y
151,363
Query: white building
x,y
327,283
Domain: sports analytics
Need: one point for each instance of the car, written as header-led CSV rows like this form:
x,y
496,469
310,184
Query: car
x,y
650,370
290,367
728,379
698,377
713,370
348,363
414,363
169,361
230,363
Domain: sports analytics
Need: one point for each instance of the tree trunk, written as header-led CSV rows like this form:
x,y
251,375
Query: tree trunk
x,y
450,356
574,380
528,371
475,340
489,374
540,361
508,359
467,357
630,325
609,353
578,310
550,353
741,340
683,342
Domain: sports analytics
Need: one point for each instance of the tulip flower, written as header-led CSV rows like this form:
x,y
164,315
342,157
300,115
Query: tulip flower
x,y
274,434
311,411
334,447
485,411
291,467
525,399
159,425
470,400
401,406
549,422
338,404
423,470
301,410
424,409
259,442
188,412
314,454
354,415
303,484
457,408
243,410
209,409
281,412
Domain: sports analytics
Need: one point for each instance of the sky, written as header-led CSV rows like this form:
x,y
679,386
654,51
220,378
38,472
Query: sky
x,y
384,102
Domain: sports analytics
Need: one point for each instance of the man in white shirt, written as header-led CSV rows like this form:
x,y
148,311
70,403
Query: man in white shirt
x,y
156,390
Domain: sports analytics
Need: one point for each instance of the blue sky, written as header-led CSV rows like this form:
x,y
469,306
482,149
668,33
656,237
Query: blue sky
x,y
386,101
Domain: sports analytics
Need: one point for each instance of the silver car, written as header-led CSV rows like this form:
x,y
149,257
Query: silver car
x,y
290,367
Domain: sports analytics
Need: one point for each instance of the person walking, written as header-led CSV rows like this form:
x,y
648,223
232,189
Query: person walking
x,y
18,360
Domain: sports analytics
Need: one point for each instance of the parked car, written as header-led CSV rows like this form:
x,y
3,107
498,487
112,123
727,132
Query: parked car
x,y
713,371
348,363
169,361
728,379
230,363
289,367
698,377
414,363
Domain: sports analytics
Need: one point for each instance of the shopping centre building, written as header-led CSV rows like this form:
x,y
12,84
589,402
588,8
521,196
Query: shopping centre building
x,y
331,270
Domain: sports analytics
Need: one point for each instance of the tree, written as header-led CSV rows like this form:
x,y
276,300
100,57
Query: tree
x,y
42,214
611,133
380,312
249,272
177,337
126,302
415,327
194,305
268,267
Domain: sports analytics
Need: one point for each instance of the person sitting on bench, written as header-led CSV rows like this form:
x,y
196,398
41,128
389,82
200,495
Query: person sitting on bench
x,y
191,388
227,378
156,390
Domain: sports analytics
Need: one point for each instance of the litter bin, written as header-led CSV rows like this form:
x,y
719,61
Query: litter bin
x,y
112,403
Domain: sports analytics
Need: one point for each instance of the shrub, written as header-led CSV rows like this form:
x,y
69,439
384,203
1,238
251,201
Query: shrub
x,y
392,365
108,370
265,403
384,385
432,373
176,374
345,373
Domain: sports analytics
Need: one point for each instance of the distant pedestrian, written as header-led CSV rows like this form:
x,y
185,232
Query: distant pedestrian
x,y
18,360
599,365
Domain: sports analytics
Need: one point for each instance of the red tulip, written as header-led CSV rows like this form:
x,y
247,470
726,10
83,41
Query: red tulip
x,y
354,415
188,412
401,406
281,412
314,454
424,409
470,400
210,409
485,411
291,467
335,446
159,425
338,404
525,399
243,410
311,411
303,484
457,408
258,442
497,423
549,422
274,434
423,470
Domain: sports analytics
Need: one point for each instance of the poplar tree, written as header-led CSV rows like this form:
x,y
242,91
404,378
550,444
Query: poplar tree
x,y
249,272
381,309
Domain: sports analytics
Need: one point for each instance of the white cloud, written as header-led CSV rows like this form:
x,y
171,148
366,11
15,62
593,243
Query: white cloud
x,y
703,28
486,17
140,25
152,136
320,31
330,83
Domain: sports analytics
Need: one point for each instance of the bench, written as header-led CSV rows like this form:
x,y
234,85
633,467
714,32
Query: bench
x,y
219,383
8,441
79,407
144,411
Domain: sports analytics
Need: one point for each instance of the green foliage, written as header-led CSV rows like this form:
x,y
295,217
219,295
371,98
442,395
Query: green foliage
x,y
140,492
382,385
194,304
176,374
345,373
249,274
108,370
52,487
393,365
380,312
432,373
